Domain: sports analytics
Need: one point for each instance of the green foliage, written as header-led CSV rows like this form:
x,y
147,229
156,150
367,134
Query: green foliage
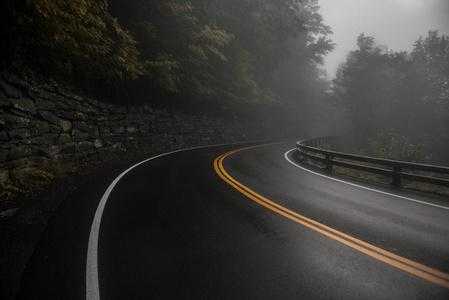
x,y
431,60
228,50
404,93
225,53
275,35
180,52
387,144
79,38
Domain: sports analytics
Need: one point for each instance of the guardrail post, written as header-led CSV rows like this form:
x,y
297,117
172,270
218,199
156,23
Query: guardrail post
x,y
329,158
396,176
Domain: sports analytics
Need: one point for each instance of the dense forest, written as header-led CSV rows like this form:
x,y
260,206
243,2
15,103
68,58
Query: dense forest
x,y
397,103
239,58
234,57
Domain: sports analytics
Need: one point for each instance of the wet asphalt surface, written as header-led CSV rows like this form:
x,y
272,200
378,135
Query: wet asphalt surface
x,y
173,228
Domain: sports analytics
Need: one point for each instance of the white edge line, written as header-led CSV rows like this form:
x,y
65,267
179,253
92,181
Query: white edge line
x,y
92,280
286,155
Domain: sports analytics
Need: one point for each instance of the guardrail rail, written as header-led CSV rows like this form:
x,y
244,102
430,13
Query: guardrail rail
x,y
397,170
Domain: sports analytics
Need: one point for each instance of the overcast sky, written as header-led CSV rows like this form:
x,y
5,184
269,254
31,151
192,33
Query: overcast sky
x,y
394,23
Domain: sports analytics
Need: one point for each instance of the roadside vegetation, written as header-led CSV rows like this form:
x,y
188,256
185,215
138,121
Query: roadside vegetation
x,y
397,103
234,57
248,59
195,72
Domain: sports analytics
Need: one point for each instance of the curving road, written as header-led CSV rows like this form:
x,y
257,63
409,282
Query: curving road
x,y
216,223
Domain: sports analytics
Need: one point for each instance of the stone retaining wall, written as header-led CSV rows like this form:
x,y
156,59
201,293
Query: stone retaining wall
x,y
46,132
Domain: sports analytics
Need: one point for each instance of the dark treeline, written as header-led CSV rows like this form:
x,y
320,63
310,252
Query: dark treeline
x,y
259,56
257,59
397,103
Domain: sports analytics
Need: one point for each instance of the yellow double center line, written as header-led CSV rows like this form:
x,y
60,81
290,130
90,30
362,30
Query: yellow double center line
x,y
399,262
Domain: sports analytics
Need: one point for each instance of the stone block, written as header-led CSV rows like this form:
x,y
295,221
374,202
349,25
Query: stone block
x,y
31,177
4,153
13,121
65,138
79,135
45,139
69,115
85,127
131,129
23,104
118,130
4,136
49,116
10,90
68,148
54,129
98,143
20,134
41,127
54,150
80,116
19,151
65,125
85,146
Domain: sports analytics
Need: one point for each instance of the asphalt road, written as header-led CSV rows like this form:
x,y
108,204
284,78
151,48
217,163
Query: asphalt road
x,y
174,227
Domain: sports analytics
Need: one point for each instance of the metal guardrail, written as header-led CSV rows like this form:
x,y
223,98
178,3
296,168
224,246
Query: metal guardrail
x,y
397,170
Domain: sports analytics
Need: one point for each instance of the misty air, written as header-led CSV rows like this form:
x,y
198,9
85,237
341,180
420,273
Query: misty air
x,y
224,149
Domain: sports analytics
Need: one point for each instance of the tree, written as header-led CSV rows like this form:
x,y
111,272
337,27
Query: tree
x,y
76,39
402,96
180,52
225,54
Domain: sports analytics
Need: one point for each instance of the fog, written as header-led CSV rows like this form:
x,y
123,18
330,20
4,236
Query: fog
x,y
257,63
394,23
